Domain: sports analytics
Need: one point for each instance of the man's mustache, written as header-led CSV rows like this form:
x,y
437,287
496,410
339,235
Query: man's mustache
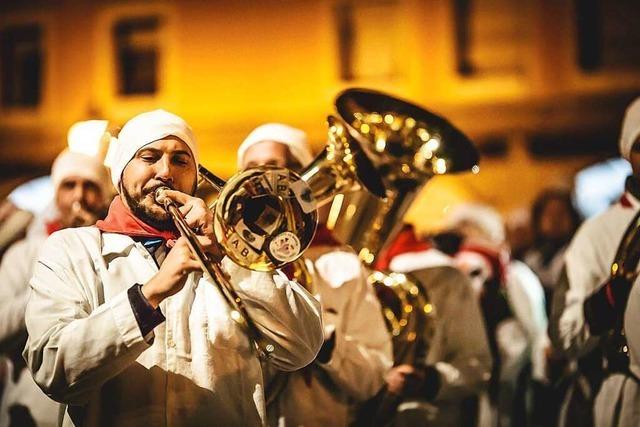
x,y
154,187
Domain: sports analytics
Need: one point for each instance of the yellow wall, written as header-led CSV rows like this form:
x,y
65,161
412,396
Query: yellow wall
x,y
229,66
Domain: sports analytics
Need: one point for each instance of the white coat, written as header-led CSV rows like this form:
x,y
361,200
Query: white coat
x,y
362,354
528,329
197,368
588,265
15,271
459,349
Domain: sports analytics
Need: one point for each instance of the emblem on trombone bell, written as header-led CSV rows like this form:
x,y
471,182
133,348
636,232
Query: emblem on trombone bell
x,y
285,247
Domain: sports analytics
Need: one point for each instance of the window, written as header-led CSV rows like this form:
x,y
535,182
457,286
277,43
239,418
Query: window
x,y
368,37
490,37
21,60
137,55
608,34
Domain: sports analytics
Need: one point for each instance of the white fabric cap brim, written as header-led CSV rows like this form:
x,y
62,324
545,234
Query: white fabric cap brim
x,y
144,129
294,139
630,129
70,164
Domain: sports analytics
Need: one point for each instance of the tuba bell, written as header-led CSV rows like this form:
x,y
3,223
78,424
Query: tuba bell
x,y
408,145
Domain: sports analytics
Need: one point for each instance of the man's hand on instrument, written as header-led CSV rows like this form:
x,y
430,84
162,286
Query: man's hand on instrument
x,y
200,219
404,380
195,212
173,273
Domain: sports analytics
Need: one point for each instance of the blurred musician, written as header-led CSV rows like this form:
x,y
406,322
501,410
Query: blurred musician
x,y
442,389
82,193
357,351
588,308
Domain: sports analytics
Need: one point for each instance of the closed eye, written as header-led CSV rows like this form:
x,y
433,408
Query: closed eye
x,y
181,160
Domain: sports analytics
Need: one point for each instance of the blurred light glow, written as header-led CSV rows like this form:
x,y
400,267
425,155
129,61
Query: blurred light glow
x,y
433,144
87,137
33,196
423,134
334,212
441,166
600,185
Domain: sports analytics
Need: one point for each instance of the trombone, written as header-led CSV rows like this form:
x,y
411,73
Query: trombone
x,y
216,274
266,217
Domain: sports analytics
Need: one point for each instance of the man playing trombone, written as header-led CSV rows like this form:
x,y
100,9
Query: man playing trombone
x,y
124,328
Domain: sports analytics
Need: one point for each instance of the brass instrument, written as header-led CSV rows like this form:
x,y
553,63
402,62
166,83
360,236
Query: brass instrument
x,y
265,217
216,274
407,310
408,145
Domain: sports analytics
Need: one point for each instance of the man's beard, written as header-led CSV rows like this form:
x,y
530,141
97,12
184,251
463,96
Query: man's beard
x,y
163,222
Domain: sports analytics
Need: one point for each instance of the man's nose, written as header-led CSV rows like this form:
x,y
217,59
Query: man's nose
x,y
164,170
78,192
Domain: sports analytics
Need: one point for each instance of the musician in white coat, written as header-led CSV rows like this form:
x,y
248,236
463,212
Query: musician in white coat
x,y
357,352
123,327
586,303
82,192
442,388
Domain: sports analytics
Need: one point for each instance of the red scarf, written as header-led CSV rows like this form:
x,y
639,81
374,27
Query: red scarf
x,y
406,241
625,202
497,259
122,221
53,226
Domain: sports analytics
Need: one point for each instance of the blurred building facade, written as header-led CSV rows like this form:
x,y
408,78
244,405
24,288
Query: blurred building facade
x,y
540,85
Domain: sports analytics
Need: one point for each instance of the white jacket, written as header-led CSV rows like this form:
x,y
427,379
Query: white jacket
x,y
459,349
85,347
588,265
15,271
529,328
362,353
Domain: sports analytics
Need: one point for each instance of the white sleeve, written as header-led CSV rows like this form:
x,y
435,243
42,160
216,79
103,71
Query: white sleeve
x,y
465,363
15,272
363,351
285,314
526,299
584,270
72,347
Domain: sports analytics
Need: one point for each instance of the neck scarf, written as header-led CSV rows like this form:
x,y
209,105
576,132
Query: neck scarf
x,y
122,221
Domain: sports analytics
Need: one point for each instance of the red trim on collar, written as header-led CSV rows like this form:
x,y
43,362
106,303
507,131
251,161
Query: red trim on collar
x,y
406,241
53,226
625,202
609,294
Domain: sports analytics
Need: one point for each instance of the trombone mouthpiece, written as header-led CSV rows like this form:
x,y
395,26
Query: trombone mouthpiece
x,y
161,196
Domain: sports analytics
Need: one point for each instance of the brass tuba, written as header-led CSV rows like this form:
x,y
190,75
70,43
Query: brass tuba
x,y
408,145
265,217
